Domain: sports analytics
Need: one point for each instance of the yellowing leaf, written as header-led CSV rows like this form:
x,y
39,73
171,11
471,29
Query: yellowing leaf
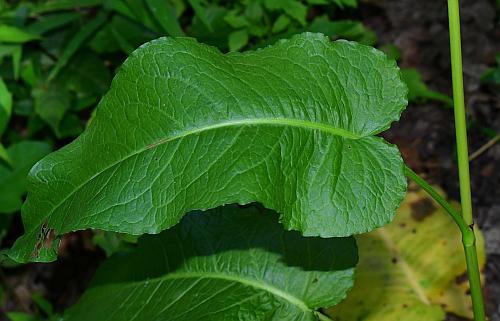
x,y
409,269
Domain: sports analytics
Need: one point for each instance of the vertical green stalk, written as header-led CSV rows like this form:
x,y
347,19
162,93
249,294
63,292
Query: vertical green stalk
x,y
468,237
459,108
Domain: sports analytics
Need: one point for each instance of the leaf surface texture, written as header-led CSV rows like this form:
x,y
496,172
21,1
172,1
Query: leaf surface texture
x,y
199,271
185,127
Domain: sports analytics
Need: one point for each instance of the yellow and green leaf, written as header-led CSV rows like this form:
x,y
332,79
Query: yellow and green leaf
x,y
411,269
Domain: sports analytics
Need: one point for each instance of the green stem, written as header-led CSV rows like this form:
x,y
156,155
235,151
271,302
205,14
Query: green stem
x,y
455,215
322,317
468,241
463,159
459,108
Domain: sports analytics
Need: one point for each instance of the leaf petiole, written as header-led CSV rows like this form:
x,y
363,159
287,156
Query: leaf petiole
x,y
468,241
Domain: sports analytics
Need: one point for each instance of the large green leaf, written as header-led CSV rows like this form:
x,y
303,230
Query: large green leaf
x,y
225,264
185,127
13,180
411,269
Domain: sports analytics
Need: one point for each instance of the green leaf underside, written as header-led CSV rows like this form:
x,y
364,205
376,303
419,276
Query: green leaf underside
x,y
185,127
198,271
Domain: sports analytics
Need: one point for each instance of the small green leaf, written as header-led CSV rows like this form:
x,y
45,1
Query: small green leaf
x,y
346,29
16,60
237,40
5,224
86,74
338,29
254,12
186,127
77,41
492,75
391,51
4,155
30,73
201,13
42,303
293,8
218,34
419,90
112,242
165,13
16,35
281,23
120,34
47,23
14,51
236,20
70,126
21,316
199,270
141,14
52,101
23,156
7,50
5,106
121,7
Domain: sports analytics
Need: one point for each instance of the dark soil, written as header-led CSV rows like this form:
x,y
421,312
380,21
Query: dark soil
x,y
425,135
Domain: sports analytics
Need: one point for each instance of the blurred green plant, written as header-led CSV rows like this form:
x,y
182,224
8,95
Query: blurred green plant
x,y
418,90
492,75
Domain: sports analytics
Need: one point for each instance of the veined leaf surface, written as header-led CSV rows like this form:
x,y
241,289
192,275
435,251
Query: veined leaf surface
x,y
185,127
224,264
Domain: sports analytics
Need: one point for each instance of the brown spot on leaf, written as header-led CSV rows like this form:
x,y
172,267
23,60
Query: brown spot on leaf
x,y
422,208
462,278
45,239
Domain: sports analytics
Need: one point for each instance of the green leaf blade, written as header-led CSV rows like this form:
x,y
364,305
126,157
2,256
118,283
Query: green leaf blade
x,y
201,271
13,34
185,127
5,106
52,101
77,41
165,13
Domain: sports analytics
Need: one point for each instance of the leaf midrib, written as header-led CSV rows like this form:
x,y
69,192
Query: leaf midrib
x,y
407,269
232,278
253,121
